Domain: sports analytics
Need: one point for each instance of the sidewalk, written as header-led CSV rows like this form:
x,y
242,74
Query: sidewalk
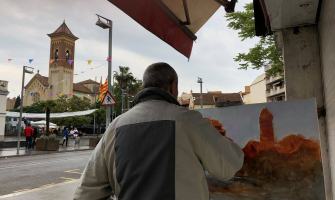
x,y
12,152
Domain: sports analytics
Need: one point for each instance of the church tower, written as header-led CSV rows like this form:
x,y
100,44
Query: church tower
x,y
267,138
62,48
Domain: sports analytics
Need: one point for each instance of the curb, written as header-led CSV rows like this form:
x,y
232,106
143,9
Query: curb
x,y
12,156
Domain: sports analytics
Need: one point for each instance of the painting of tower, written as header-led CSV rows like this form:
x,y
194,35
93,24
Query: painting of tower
x,y
267,139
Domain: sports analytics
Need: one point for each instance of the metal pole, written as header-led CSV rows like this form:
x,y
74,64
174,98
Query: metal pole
x,y
108,113
21,110
113,95
95,104
122,101
201,93
128,102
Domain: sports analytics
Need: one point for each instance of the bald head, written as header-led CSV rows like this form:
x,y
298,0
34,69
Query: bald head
x,y
161,75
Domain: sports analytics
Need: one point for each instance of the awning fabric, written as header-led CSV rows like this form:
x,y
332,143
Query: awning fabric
x,y
164,17
52,115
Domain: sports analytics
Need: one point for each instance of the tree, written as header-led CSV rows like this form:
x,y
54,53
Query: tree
x,y
66,104
264,51
100,114
47,105
17,102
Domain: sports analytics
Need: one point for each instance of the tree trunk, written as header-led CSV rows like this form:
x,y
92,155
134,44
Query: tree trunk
x,y
47,121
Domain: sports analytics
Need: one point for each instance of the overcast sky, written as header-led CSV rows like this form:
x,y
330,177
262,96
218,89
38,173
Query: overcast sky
x,y
26,23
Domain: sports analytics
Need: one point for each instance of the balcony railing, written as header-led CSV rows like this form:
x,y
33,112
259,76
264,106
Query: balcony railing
x,y
276,91
271,79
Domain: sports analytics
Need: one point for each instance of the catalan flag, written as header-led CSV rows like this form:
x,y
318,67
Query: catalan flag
x,y
104,89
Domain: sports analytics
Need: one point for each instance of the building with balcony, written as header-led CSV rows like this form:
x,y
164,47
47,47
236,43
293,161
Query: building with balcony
x,y
275,86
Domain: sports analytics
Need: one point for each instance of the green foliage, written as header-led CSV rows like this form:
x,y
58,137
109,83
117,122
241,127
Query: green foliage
x,y
66,104
48,137
100,113
17,102
264,51
33,108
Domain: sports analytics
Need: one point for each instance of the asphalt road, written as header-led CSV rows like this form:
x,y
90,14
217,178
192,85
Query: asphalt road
x,y
20,174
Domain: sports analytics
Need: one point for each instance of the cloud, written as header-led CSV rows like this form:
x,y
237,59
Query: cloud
x,y
25,25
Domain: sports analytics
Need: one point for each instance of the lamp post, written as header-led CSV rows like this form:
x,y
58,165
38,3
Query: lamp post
x,y
25,70
113,95
108,25
200,81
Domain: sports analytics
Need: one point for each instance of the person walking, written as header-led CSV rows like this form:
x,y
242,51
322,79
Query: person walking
x,y
34,138
66,136
158,149
28,132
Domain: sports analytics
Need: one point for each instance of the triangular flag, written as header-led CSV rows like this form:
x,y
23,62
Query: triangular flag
x,y
51,94
62,81
38,89
31,94
91,68
61,94
70,61
41,93
31,60
70,95
109,59
51,60
75,74
53,84
79,94
89,62
9,60
68,77
82,71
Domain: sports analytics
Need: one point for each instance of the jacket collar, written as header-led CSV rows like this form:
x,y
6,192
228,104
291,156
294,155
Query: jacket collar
x,y
154,93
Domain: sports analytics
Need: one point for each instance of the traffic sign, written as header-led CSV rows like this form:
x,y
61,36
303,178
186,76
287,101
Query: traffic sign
x,y
108,100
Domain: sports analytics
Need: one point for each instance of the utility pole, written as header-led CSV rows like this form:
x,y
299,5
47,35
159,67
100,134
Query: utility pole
x,y
108,25
95,103
113,95
200,81
21,105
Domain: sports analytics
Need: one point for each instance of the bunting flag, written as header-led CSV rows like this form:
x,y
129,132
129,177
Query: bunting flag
x,y
100,84
68,77
104,89
9,60
89,62
60,94
41,93
31,60
79,94
70,95
31,94
75,74
49,87
38,89
70,61
51,94
51,61
62,81
109,59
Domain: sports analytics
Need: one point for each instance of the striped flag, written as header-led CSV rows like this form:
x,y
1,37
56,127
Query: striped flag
x,y
104,89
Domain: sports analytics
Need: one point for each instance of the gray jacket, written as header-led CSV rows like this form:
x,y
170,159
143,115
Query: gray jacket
x,y
158,151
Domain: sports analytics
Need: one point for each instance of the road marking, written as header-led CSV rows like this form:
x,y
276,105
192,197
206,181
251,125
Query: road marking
x,y
73,171
16,166
37,189
21,190
69,179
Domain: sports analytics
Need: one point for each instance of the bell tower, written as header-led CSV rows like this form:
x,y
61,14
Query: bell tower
x,y
62,48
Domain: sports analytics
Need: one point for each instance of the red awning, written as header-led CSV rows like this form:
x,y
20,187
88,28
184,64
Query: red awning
x,y
173,21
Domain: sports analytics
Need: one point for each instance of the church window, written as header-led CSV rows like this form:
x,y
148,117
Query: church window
x,y
56,54
36,97
67,55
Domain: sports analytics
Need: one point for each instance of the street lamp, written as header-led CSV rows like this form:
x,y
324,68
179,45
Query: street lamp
x,y
108,25
29,71
200,81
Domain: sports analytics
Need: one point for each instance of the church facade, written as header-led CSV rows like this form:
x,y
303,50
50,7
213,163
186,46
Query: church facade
x,y
61,73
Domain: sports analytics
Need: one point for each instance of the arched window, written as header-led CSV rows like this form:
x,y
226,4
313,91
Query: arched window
x,y
67,55
56,54
36,97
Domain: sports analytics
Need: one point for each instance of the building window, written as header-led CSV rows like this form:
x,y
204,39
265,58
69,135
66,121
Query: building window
x,y
216,99
56,54
36,97
67,55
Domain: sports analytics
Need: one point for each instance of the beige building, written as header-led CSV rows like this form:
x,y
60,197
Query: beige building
x,y
214,99
255,93
61,73
10,103
275,86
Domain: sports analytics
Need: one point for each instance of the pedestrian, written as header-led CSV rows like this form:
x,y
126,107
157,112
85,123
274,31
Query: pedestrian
x,y
66,136
34,138
158,149
28,132
71,134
